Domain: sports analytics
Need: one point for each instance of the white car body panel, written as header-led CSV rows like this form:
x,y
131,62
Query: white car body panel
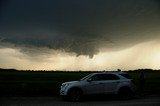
x,y
97,87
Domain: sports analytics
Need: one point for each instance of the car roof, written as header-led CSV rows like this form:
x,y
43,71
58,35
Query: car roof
x,y
111,72
117,73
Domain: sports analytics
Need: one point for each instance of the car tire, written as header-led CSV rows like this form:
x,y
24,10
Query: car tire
x,y
125,94
75,95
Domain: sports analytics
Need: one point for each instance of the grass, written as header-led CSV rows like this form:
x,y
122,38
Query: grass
x,y
34,83
48,83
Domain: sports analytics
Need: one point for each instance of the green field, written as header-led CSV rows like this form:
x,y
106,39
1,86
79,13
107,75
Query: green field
x,y
48,83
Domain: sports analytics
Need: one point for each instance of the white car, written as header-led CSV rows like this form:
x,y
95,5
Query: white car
x,y
99,83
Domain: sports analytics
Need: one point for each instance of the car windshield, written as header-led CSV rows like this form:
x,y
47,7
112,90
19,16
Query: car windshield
x,y
86,77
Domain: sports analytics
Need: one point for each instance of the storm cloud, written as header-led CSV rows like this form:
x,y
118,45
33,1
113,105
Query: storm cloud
x,y
84,27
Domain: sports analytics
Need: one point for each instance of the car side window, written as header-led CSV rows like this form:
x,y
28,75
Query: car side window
x,y
95,78
111,77
98,77
101,77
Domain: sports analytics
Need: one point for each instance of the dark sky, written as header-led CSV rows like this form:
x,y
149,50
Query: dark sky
x,y
84,27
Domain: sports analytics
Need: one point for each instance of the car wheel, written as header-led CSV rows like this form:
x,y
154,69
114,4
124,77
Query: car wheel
x,y
125,94
75,95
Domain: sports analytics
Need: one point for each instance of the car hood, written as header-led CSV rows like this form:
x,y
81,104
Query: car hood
x,y
70,82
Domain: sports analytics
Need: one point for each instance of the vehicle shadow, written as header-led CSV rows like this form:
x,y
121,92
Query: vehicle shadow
x,y
109,97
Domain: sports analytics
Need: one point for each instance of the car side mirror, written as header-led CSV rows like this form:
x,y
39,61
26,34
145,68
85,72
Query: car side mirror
x,y
89,80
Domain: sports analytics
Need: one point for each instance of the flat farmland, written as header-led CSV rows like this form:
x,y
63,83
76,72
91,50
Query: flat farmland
x,y
41,83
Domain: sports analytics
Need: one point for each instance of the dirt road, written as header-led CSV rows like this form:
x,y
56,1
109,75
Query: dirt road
x,y
57,101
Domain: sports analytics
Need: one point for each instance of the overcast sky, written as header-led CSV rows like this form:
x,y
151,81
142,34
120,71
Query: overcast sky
x,y
79,34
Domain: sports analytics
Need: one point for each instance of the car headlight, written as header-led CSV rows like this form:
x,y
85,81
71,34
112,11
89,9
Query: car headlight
x,y
64,86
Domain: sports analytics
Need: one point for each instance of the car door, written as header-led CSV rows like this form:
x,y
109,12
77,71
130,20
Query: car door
x,y
95,85
111,83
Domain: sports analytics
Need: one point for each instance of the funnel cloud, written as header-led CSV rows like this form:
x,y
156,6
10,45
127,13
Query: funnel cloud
x,y
83,27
